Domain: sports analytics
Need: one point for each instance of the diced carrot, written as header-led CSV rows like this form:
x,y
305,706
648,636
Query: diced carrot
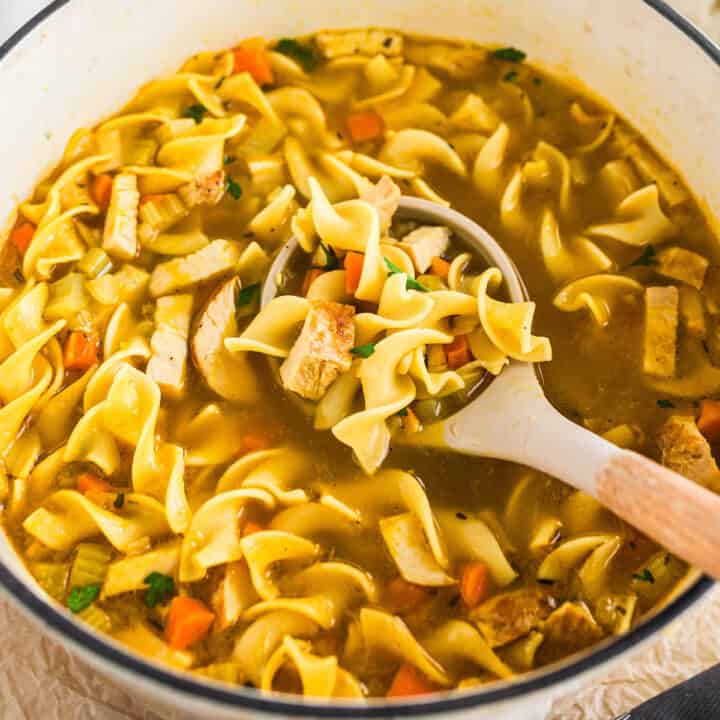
x,y
474,583
255,441
102,190
708,421
410,421
251,527
151,198
409,681
88,482
365,125
353,270
254,43
81,350
188,622
458,352
440,267
256,61
22,236
404,596
310,277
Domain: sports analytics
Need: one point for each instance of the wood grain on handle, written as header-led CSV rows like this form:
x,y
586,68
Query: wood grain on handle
x,y
679,514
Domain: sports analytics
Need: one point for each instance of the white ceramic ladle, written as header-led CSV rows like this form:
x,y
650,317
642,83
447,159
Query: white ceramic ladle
x,y
510,419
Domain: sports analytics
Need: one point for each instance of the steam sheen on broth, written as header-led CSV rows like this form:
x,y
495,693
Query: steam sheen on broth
x,y
225,489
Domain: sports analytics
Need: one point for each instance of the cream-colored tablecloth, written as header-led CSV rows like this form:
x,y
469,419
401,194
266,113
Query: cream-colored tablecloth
x,y
39,680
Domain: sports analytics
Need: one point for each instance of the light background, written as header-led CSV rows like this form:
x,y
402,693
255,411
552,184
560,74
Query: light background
x,y
38,679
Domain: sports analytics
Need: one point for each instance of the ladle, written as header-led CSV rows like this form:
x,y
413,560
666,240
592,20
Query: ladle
x,y
512,420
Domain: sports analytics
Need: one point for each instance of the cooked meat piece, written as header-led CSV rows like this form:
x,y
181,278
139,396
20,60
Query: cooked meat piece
x,y
686,451
120,234
683,265
385,198
475,114
661,321
168,364
322,351
205,189
511,615
217,258
235,594
359,42
228,374
692,312
571,627
425,243
456,60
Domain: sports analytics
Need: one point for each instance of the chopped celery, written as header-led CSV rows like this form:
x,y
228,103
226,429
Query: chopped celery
x,y
52,577
67,297
163,211
90,564
95,263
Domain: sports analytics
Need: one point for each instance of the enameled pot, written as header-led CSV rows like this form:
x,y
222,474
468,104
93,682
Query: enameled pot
x,y
79,60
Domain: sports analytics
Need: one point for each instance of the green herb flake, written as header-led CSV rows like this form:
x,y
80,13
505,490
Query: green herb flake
x,y
644,576
82,597
646,259
196,112
665,404
511,76
246,295
160,588
403,412
303,54
119,500
331,259
229,159
410,283
509,54
537,81
219,83
363,351
234,188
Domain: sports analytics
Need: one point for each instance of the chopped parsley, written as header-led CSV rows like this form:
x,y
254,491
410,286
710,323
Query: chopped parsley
x,y
411,283
403,412
331,259
644,576
196,112
510,54
229,159
537,81
511,76
363,351
647,258
246,295
303,54
461,516
665,404
160,588
219,83
119,500
82,597
234,188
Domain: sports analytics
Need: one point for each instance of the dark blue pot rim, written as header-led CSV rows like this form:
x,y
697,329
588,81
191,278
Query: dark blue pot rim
x,y
56,619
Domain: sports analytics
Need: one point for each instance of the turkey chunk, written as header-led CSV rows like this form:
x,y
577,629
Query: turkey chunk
x,y
234,594
120,233
322,351
218,258
683,265
385,198
204,189
168,364
371,42
661,322
684,450
510,615
425,243
571,627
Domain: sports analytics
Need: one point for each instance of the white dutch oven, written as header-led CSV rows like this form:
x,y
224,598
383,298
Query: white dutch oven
x,y
80,60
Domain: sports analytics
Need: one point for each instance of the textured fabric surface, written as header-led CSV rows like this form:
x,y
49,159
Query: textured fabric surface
x,y
39,679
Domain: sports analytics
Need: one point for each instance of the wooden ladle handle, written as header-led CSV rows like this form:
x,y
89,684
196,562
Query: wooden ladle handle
x,y
682,516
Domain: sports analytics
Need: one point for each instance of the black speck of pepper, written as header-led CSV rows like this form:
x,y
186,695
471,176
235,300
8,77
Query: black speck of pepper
x,y
706,347
454,600
387,42
667,559
544,581
17,274
249,234
461,516
621,610
632,544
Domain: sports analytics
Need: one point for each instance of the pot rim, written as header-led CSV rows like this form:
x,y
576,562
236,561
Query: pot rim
x,y
47,614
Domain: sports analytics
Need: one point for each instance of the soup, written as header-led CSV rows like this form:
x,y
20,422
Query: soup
x,y
230,490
